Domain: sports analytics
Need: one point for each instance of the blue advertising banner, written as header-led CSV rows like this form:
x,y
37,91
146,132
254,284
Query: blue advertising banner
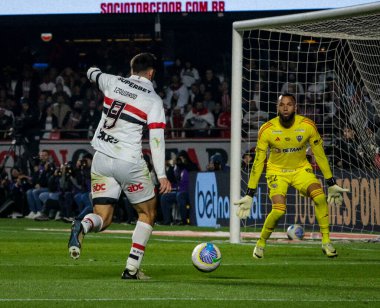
x,y
210,203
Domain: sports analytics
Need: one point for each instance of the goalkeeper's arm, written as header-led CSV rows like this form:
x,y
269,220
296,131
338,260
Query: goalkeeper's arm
x,y
245,203
334,191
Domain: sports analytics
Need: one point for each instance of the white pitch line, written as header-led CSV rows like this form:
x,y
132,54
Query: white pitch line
x,y
147,299
253,263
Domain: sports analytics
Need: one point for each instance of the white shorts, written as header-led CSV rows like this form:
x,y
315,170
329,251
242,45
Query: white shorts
x,y
111,175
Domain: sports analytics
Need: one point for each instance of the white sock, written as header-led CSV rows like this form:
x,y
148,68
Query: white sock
x,y
140,238
92,223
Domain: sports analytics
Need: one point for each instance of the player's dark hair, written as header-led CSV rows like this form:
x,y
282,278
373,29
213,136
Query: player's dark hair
x,y
143,62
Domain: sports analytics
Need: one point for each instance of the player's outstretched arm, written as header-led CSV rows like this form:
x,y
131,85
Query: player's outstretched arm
x,y
334,195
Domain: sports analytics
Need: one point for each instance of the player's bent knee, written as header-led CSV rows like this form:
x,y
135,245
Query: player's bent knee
x,y
147,211
318,197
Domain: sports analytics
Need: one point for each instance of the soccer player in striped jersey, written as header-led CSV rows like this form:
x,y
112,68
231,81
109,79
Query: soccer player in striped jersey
x,y
287,137
118,164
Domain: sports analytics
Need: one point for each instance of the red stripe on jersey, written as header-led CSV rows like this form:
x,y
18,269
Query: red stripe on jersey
x,y
311,123
263,128
156,125
138,246
108,101
136,111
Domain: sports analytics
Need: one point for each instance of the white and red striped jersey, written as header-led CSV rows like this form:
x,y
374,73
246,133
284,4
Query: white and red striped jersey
x,y
129,104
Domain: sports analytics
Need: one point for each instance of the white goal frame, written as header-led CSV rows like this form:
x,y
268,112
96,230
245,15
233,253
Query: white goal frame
x,y
236,89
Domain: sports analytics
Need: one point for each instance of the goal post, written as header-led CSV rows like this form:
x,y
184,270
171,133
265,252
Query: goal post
x,y
330,60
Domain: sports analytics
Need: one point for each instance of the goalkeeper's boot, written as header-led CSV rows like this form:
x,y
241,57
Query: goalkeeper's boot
x,y
329,250
258,252
138,275
76,238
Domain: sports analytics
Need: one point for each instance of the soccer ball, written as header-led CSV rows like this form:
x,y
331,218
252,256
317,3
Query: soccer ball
x,y
206,257
295,232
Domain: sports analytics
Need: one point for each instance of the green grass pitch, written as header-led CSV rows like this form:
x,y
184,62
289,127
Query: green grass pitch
x,y
36,271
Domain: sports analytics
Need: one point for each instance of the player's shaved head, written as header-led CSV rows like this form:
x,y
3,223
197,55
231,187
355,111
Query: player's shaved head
x,y
289,95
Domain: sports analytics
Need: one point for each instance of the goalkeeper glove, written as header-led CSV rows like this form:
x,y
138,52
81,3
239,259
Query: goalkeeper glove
x,y
245,204
334,195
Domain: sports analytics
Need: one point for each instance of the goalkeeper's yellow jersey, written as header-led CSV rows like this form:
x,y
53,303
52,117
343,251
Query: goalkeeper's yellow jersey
x,y
287,148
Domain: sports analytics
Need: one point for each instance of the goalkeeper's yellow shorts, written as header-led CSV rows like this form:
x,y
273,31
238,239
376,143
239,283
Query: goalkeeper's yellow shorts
x,y
300,179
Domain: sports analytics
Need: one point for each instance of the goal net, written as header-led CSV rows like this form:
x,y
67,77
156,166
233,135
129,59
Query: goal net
x,y
330,61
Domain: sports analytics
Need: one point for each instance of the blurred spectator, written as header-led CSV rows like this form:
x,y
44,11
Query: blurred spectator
x,y
346,153
311,109
72,121
61,87
27,130
41,173
217,111
199,120
253,119
177,94
211,82
83,196
185,159
60,107
189,75
47,86
6,123
49,123
176,122
195,93
13,191
247,161
224,122
208,101
178,195
49,199
294,87
217,163
27,86
224,96
90,119
176,68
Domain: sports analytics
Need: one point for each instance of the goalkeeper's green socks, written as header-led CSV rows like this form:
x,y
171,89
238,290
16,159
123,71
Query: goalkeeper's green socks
x,y
278,210
322,213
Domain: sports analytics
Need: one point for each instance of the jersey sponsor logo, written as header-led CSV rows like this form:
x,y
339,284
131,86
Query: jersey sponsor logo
x,y
288,170
135,187
277,131
98,187
299,138
107,138
292,150
301,130
125,93
133,85
277,139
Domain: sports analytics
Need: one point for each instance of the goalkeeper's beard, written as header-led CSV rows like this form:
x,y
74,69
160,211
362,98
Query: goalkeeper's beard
x,y
287,121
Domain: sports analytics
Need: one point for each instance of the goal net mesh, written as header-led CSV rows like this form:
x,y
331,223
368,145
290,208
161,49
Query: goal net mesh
x,y
332,66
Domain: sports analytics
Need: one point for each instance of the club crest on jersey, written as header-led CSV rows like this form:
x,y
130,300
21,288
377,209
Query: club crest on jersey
x,y
299,138
287,139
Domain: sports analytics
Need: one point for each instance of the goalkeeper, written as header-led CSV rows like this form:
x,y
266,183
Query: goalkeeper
x,y
287,137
